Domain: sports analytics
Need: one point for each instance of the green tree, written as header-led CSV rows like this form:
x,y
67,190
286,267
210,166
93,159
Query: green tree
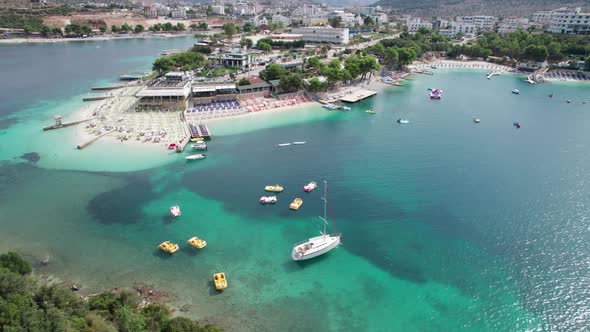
x,y
335,21
249,27
180,324
246,42
28,29
273,72
180,27
139,28
315,85
391,57
167,26
209,10
229,29
45,31
265,47
554,52
85,30
156,316
368,21
12,262
114,28
406,56
536,53
56,31
128,321
126,28
587,63
291,82
102,29
203,26
243,81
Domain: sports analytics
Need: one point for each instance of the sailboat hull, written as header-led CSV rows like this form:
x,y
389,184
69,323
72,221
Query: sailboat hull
x,y
315,247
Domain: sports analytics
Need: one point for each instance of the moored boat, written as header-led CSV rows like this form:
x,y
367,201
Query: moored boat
x,y
276,188
318,245
220,281
283,144
199,146
476,120
515,91
296,204
310,186
403,121
268,199
168,247
371,111
436,94
195,156
197,243
299,143
175,211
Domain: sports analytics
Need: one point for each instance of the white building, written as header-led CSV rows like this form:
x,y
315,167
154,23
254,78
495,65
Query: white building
x,y
542,17
453,28
480,22
367,11
281,19
572,22
315,20
150,11
218,10
415,23
381,18
178,13
323,34
509,25
311,10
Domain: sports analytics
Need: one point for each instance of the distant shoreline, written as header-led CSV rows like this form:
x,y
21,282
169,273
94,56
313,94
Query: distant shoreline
x,y
98,38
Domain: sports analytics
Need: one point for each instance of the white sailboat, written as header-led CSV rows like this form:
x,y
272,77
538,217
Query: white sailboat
x,y
318,245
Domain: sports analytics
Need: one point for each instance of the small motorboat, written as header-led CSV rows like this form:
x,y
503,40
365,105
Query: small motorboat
x,y
175,211
276,188
220,281
296,204
434,67
476,120
172,146
197,243
299,143
568,101
346,108
403,121
371,111
199,146
283,144
310,186
516,124
515,91
268,199
168,247
195,156
436,94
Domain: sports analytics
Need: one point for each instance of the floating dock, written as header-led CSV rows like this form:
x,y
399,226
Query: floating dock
x,y
200,130
358,95
110,87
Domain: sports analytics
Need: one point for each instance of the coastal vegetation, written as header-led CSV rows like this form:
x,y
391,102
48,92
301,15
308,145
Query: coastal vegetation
x,y
280,43
188,60
26,304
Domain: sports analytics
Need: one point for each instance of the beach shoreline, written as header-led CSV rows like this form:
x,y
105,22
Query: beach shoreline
x,y
97,38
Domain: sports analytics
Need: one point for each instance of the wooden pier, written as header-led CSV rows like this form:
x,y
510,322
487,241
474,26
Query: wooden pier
x,y
111,87
83,145
58,124
358,95
95,98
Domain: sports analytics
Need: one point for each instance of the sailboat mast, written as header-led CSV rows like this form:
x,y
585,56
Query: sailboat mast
x,y
325,204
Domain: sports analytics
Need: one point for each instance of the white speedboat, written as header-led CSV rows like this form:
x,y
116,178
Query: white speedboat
x,y
199,146
299,143
175,211
284,144
268,199
195,156
403,121
318,245
476,120
516,91
310,186
346,108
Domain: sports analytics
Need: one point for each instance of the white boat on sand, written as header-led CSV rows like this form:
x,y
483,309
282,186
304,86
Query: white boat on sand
x,y
318,245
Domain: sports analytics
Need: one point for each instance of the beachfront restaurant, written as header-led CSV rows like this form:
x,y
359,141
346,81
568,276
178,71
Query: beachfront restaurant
x,y
211,90
253,88
163,98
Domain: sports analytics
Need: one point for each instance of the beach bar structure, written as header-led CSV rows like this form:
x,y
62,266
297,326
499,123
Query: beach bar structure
x,y
252,88
211,90
169,92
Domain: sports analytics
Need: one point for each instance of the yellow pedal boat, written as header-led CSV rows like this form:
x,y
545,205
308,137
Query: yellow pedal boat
x,y
168,247
296,204
197,243
276,188
371,111
197,139
220,281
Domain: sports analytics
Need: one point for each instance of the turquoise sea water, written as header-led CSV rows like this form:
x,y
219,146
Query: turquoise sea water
x,y
446,224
